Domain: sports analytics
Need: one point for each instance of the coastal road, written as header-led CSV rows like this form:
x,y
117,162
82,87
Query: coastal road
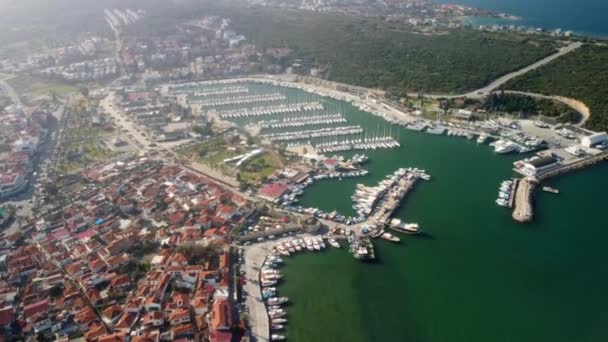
x,y
479,93
506,78
572,103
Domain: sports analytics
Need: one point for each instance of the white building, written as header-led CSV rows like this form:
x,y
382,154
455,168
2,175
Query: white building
x,y
594,139
539,165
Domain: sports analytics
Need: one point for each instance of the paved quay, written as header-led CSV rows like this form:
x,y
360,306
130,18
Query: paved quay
x,y
254,256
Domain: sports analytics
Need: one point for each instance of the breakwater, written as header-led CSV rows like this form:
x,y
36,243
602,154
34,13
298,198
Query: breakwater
x,y
524,194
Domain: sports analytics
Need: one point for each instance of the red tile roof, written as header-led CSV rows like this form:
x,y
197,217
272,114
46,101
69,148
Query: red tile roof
x,y
36,308
273,190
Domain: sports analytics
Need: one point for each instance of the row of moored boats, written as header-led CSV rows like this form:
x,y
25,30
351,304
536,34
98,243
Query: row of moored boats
x,y
241,100
322,119
314,133
272,110
505,192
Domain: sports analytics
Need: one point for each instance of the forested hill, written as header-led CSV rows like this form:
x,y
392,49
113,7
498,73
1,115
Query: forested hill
x,y
582,74
373,53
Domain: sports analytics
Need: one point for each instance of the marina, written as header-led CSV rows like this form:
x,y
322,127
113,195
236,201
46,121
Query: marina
x,y
457,242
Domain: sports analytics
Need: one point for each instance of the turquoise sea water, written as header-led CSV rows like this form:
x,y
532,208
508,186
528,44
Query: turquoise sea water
x,y
476,275
586,17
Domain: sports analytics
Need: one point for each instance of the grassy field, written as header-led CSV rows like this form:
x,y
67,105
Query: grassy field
x,y
91,153
30,88
582,75
261,167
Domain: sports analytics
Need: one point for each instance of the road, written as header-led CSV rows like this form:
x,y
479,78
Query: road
x,y
506,78
572,103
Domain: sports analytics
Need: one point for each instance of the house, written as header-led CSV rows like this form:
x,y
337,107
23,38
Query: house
x,y
178,259
179,316
147,336
125,322
199,304
225,212
7,315
116,337
85,318
153,304
182,331
153,319
112,312
181,300
95,331
34,309
221,316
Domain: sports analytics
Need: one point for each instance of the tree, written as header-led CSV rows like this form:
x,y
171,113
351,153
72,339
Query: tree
x,y
56,291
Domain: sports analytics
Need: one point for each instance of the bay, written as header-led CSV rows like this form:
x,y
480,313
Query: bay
x,y
586,17
476,275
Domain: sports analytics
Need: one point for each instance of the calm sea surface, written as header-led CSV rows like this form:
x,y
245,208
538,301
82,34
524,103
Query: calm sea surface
x,y
582,16
477,276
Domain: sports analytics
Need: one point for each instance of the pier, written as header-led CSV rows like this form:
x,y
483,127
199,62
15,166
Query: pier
x,y
524,209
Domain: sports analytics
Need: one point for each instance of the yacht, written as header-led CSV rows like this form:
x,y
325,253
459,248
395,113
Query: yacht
x,y
409,228
482,139
438,130
333,243
504,146
390,237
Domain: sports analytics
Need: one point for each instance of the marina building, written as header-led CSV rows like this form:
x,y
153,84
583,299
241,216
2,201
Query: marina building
x,y
594,139
538,165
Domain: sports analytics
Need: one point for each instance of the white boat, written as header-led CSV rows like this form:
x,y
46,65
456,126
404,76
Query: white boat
x,y
277,300
482,139
390,237
276,337
504,146
333,243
